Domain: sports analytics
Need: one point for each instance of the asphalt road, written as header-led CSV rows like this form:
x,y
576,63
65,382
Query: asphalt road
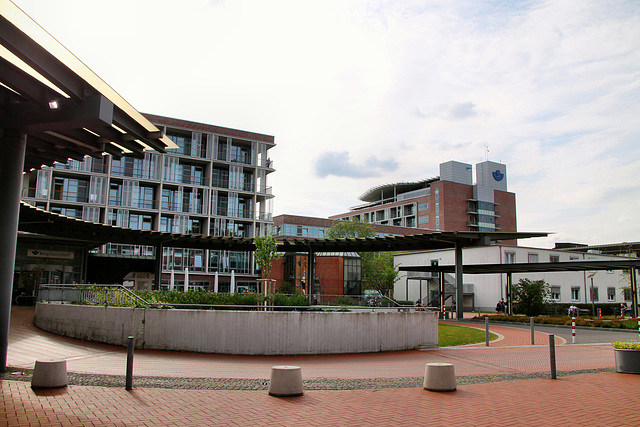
x,y
584,335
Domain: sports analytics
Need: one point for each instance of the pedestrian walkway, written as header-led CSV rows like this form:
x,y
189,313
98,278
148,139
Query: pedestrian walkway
x,y
509,378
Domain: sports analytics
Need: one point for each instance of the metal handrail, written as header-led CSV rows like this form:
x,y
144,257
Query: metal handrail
x,y
99,294
83,293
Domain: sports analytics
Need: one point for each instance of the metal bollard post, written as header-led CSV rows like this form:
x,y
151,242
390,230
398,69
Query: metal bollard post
x,y
533,336
486,330
552,355
129,378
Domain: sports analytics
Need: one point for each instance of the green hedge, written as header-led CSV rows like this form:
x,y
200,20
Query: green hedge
x,y
608,309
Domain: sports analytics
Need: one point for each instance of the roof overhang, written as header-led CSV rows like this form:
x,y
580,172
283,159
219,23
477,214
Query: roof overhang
x,y
384,191
65,109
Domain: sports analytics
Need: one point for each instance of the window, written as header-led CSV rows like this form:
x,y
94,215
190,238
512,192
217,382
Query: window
x,y
611,294
533,258
575,293
554,258
423,219
145,200
509,257
423,206
555,293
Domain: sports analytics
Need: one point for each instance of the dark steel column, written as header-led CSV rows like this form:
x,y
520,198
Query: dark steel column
x,y
158,267
311,273
12,145
442,296
634,293
509,305
459,286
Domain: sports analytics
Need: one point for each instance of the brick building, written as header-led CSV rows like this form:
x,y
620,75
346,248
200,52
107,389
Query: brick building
x,y
449,202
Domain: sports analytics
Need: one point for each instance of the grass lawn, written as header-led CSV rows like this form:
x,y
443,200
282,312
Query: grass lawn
x,y
452,335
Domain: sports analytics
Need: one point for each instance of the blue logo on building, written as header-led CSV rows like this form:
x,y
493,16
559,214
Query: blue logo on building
x,y
497,175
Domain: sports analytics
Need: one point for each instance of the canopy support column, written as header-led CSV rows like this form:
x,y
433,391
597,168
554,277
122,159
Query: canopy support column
x,y
13,145
311,270
442,296
634,293
158,267
459,286
509,301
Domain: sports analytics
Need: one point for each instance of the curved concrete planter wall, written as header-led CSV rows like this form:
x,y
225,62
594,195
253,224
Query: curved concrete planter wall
x,y
243,332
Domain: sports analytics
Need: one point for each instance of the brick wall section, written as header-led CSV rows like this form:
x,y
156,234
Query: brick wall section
x,y
177,123
453,205
330,272
507,209
277,271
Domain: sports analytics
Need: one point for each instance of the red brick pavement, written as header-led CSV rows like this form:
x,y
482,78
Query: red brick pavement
x,y
28,344
587,400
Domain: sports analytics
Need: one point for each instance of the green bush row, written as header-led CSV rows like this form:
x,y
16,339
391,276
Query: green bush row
x,y
608,309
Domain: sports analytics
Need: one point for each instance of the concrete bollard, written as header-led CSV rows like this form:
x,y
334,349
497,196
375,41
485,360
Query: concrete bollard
x,y
286,381
440,377
49,374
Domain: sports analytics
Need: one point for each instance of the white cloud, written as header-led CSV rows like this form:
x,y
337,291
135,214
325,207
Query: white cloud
x,y
553,88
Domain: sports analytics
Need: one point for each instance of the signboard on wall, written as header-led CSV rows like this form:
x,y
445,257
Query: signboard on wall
x,y
48,253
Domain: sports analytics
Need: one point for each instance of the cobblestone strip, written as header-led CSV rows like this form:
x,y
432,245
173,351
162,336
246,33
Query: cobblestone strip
x,y
258,384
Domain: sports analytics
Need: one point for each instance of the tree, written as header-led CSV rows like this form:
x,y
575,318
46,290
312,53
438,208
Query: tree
x,y
350,228
378,271
531,296
266,251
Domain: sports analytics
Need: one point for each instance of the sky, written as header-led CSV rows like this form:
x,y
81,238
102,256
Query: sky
x,y
364,93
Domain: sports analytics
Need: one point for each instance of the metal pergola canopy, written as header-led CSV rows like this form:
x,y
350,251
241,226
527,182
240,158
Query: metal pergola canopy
x,y
541,267
423,241
40,221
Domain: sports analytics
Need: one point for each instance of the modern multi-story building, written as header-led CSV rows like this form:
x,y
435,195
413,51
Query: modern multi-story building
x,y
214,184
449,202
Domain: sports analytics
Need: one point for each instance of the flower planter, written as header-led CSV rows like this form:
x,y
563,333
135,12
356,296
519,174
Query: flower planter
x,y
627,360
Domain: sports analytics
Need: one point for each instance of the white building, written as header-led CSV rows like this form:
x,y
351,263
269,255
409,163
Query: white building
x,y
483,291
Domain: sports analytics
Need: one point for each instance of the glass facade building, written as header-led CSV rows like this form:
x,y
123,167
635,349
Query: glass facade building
x,y
214,184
